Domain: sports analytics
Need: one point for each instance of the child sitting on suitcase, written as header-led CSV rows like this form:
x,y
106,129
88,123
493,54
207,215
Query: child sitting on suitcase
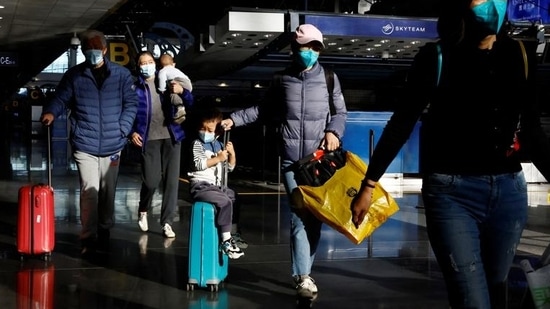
x,y
207,172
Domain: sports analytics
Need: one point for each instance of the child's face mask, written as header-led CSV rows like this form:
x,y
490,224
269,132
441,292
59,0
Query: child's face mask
x,y
207,137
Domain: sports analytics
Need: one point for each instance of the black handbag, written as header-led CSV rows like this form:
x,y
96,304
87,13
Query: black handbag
x,y
315,169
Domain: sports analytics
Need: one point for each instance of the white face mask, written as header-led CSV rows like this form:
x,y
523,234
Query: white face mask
x,y
147,70
93,56
207,137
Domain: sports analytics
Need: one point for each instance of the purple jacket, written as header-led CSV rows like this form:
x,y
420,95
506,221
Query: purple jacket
x,y
144,112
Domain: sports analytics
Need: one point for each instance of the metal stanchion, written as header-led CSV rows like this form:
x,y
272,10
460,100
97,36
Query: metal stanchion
x,y
371,148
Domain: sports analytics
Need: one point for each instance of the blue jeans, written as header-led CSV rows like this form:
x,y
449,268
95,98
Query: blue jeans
x,y
474,225
305,230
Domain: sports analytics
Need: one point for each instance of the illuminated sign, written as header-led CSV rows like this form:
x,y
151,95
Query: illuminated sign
x,y
374,26
119,51
8,59
530,11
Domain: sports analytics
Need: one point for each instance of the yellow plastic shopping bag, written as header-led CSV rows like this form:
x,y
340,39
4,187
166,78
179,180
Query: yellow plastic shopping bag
x,y
331,202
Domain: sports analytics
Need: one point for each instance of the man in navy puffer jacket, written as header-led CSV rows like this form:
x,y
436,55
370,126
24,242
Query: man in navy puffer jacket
x,y
103,105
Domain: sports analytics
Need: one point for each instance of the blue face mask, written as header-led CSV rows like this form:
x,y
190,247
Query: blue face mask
x,y
308,57
147,70
93,56
491,14
207,137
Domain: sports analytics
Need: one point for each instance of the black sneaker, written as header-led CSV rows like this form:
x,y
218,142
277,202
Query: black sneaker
x,y
230,248
239,241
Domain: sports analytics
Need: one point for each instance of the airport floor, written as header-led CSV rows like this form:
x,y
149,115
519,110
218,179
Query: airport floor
x,y
393,268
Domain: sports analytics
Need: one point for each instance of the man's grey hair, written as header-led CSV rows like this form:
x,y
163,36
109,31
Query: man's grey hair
x,y
90,35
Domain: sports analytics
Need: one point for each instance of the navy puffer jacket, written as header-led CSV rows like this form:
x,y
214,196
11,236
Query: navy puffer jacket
x,y
101,118
300,106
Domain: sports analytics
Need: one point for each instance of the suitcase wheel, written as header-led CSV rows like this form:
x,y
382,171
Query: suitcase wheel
x,y
190,287
213,287
47,257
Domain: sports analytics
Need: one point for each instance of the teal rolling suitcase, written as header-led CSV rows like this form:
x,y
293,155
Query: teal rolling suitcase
x,y
207,264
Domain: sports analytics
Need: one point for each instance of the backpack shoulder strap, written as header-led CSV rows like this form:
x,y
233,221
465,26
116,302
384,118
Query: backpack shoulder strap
x,y
277,78
439,62
525,61
329,77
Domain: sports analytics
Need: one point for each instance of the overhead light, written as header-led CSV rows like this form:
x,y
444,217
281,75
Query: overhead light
x,y
223,84
258,85
248,30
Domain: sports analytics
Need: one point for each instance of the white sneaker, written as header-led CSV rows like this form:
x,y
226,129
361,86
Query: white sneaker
x,y
305,287
179,117
142,221
167,231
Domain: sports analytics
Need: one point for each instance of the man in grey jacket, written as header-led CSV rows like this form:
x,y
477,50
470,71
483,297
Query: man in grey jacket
x,y
103,106
299,100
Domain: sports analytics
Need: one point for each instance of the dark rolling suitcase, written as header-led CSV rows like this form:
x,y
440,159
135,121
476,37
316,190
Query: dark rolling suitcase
x,y
35,218
208,266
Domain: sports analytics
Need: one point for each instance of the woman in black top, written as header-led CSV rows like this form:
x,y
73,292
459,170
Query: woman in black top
x,y
474,190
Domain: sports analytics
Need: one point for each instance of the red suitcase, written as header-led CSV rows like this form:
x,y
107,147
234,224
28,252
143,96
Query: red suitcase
x,y
36,219
35,287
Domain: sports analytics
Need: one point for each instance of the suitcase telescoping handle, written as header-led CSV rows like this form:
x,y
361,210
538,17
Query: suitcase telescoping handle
x,y
49,142
225,165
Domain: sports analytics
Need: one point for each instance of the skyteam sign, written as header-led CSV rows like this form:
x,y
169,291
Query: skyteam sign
x,y
374,26
529,11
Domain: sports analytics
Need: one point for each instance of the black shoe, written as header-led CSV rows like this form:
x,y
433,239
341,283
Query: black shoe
x,y
88,247
103,237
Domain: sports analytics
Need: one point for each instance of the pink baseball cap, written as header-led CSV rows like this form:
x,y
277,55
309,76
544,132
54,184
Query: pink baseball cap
x,y
306,33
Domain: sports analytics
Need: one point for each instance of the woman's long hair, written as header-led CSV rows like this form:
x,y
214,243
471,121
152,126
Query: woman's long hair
x,y
451,24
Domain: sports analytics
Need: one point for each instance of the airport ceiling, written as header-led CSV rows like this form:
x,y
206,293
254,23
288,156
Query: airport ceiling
x,y
35,32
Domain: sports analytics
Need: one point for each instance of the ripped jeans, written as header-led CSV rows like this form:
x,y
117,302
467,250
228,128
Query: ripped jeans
x,y
474,225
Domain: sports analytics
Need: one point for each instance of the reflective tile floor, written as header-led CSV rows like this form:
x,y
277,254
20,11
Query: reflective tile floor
x,y
394,268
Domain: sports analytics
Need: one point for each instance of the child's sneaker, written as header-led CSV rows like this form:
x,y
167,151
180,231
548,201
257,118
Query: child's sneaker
x,y
230,248
241,243
179,117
